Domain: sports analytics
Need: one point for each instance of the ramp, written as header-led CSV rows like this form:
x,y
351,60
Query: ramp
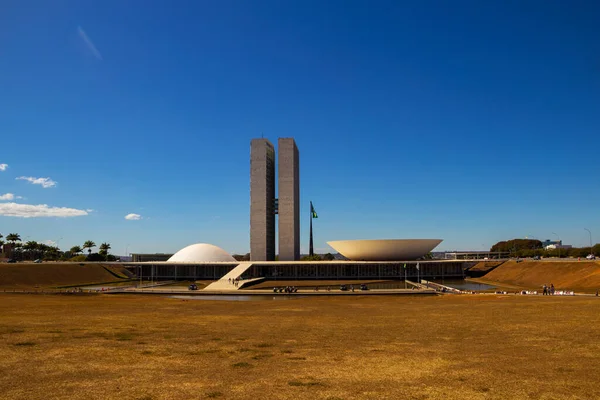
x,y
417,285
227,282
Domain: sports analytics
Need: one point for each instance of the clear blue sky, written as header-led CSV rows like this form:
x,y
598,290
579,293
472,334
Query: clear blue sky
x,y
470,121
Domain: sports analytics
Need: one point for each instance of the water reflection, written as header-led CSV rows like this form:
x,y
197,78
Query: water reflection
x,y
454,283
241,297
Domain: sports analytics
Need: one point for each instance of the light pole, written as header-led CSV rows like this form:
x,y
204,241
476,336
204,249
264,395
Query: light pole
x,y
591,252
559,243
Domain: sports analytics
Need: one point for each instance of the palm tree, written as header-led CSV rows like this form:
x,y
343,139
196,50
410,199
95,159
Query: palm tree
x,y
88,245
13,237
104,248
52,252
30,247
75,250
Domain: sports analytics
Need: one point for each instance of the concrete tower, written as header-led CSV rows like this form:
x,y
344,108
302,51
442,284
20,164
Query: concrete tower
x,y
262,200
289,200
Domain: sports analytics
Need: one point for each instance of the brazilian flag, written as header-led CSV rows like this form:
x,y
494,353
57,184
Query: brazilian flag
x,y
313,213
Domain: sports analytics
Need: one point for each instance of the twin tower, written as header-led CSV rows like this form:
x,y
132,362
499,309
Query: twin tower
x,y
264,205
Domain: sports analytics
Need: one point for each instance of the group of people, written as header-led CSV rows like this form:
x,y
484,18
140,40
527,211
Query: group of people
x,y
234,281
548,290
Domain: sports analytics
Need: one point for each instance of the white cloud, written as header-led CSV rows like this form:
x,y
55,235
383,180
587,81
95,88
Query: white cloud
x,y
38,211
9,196
3,167
45,182
49,242
133,217
88,42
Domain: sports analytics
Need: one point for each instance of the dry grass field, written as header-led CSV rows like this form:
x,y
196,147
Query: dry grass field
x,y
581,276
356,347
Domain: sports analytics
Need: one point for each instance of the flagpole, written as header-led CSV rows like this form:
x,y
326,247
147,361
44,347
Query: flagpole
x,y
310,244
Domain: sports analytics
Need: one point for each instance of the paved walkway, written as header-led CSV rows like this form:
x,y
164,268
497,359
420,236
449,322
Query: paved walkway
x,y
227,282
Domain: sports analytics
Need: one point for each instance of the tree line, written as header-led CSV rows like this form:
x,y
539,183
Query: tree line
x,y
533,247
32,250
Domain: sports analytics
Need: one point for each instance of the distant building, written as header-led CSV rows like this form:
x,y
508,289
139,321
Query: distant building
x,y
555,244
140,257
548,242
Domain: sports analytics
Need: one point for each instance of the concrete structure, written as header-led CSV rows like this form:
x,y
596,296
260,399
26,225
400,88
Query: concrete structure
x,y
201,252
384,250
140,257
228,282
302,270
208,262
288,199
262,200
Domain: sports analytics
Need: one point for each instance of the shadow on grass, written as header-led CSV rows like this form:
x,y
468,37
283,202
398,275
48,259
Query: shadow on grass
x,y
309,383
25,344
123,337
264,345
241,365
262,356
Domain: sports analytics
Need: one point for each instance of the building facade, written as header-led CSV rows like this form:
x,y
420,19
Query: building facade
x,y
262,200
141,257
302,270
289,199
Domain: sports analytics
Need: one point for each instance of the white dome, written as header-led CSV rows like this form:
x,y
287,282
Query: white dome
x,y
199,253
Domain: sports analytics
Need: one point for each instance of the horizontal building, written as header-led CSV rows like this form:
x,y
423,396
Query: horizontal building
x,y
302,270
141,257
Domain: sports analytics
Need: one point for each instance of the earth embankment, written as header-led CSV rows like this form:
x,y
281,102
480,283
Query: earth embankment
x,y
46,275
581,276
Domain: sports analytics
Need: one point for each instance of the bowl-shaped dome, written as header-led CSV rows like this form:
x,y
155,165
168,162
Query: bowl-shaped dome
x,y
199,253
384,250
